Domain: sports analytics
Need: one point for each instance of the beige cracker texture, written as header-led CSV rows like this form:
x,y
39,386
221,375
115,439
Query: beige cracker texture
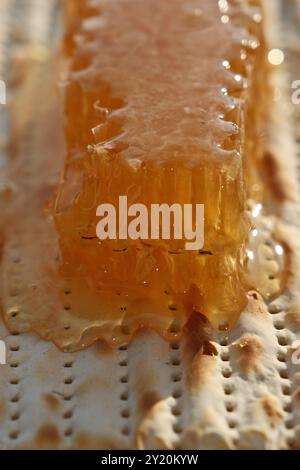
x,y
237,390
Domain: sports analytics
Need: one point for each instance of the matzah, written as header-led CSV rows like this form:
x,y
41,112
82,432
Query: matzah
x,y
235,390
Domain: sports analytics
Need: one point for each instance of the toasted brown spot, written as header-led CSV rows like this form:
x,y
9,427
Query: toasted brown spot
x,y
51,400
196,333
256,305
293,315
289,241
272,409
293,318
98,382
200,370
102,348
247,352
296,396
272,174
147,401
198,351
48,436
255,295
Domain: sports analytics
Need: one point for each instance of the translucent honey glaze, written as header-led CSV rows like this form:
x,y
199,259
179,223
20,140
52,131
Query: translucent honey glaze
x,y
158,107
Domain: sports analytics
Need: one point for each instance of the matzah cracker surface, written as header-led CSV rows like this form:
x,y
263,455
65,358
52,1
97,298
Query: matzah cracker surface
x,y
238,390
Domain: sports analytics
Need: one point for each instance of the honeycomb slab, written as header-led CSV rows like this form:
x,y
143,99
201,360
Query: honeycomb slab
x,y
161,106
